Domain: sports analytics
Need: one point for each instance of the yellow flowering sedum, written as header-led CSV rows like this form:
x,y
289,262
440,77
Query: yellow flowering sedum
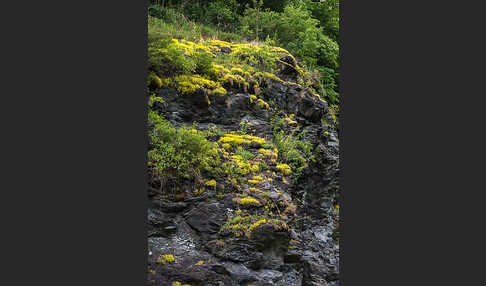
x,y
211,183
262,104
284,168
167,258
248,201
241,139
256,224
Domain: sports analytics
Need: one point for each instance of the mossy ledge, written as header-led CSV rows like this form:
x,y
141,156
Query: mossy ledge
x,y
218,66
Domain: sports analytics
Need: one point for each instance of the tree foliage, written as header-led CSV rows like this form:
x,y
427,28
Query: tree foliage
x,y
309,29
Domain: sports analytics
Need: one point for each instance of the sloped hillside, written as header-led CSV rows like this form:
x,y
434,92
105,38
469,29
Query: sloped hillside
x,y
243,167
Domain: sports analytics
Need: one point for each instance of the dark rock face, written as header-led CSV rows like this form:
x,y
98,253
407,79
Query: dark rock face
x,y
297,101
306,254
207,218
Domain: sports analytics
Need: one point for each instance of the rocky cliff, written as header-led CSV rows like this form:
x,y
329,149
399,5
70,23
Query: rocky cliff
x,y
264,209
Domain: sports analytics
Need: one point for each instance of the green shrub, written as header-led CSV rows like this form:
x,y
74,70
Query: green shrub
x,y
167,59
222,14
181,152
329,78
328,52
169,15
299,32
327,12
203,63
294,151
261,22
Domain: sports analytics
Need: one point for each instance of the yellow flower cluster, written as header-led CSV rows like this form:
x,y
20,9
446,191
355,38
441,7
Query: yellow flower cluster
x,y
246,224
191,48
260,101
269,153
219,43
256,224
218,91
197,192
167,258
248,200
284,168
235,79
267,75
237,70
177,283
290,119
262,104
211,183
243,167
241,73
241,139
258,191
187,84
226,146
219,70
256,180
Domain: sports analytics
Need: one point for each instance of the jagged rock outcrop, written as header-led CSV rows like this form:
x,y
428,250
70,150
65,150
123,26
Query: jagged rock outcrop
x,y
289,236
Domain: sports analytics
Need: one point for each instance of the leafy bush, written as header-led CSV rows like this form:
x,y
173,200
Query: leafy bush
x,y
165,58
204,63
295,152
329,79
261,23
181,152
222,14
328,52
308,29
169,15
327,12
299,32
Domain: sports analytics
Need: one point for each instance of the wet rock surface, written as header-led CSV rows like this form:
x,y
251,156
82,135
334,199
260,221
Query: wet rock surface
x,y
305,253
